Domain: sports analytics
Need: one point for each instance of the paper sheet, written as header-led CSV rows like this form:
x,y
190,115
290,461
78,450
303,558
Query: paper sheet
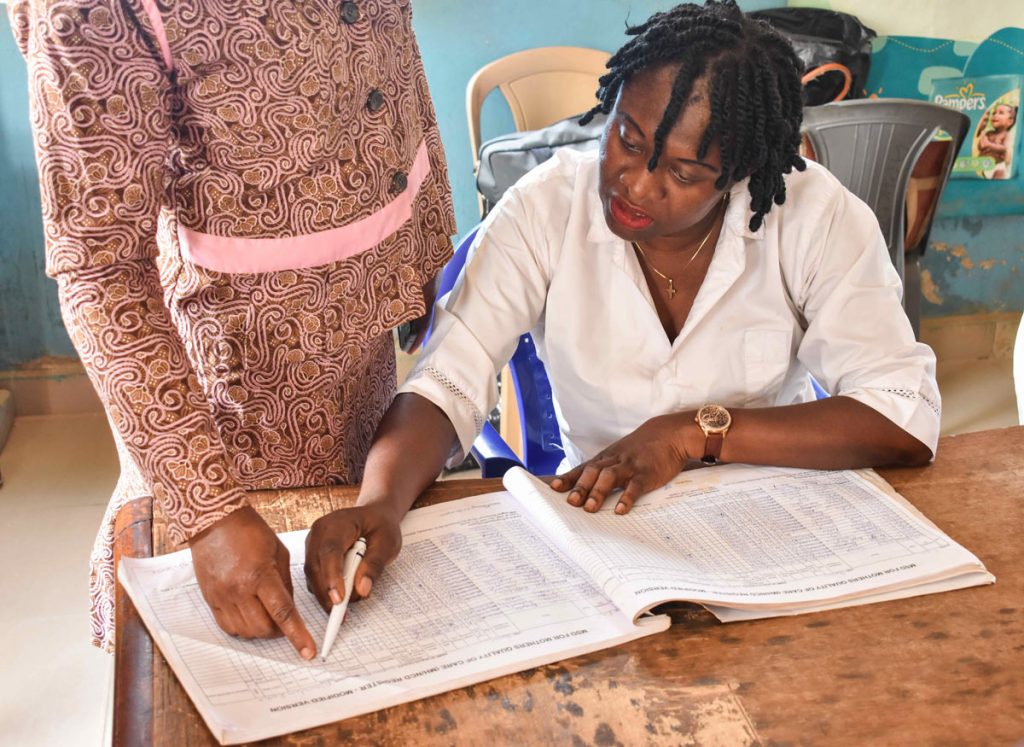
x,y
476,592
753,537
963,581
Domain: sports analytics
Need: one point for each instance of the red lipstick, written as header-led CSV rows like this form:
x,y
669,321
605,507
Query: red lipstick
x,y
628,216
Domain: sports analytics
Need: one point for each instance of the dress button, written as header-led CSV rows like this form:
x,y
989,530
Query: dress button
x,y
375,101
349,12
399,182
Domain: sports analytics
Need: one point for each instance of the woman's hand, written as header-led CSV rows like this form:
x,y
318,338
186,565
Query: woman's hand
x,y
330,538
244,574
644,460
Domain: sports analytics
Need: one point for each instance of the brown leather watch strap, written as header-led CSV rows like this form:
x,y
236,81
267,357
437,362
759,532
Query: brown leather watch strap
x,y
713,447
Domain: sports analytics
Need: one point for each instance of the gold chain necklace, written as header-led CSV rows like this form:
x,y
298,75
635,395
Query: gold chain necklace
x,y
663,276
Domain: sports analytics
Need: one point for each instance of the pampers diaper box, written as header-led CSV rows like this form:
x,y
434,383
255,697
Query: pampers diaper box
x,y
990,150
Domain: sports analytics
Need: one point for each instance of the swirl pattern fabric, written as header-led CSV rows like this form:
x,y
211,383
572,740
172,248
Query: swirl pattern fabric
x,y
276,119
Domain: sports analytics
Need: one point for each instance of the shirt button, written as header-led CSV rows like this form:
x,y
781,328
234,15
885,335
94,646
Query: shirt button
x,y
399,182
375,101
349,12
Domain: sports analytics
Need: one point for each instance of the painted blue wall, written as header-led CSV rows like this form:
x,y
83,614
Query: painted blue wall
x,y
974,266
456,37
30,324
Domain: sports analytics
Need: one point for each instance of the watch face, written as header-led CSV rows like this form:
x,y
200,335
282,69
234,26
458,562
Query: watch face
x,y
714,418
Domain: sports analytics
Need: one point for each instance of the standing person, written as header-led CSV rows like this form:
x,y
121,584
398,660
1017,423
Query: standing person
x,y
680,285
240,201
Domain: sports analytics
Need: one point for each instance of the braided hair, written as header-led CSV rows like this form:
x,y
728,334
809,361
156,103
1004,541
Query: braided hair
x,y
754,91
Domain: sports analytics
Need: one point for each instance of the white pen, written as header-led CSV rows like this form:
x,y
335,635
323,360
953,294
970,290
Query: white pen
x,y
348,573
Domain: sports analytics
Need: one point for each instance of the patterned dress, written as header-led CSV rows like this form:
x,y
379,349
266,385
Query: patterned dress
x,y
240,201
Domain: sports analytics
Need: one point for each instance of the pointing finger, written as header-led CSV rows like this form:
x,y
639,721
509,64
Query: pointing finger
x,y
281,608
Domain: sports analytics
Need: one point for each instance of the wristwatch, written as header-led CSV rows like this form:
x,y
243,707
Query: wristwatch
x,y
714,420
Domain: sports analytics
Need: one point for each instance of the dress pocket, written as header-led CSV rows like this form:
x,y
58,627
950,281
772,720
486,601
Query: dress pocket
x,y
767,358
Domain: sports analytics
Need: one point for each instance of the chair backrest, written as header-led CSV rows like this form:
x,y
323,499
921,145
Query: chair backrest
x,y
541,439
541,86
872,145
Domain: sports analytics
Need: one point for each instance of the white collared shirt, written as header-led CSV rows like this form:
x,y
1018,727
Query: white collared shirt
x,y
813,290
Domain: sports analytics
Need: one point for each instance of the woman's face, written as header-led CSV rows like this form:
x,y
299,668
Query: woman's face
x,y
668,204
1002,117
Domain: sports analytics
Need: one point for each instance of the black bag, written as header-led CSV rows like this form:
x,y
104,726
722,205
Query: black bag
x,y
834,47
506,158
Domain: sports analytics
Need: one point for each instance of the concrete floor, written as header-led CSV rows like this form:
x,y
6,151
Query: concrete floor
x,y
59,472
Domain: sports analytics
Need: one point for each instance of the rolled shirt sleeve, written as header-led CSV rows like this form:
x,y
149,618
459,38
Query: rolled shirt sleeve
x,y
859,342
499,296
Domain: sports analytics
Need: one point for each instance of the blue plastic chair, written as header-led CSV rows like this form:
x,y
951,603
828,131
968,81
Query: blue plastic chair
x,y
542,442
819,393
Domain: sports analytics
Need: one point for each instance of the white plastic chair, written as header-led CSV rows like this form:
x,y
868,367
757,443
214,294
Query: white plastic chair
x,y
541,86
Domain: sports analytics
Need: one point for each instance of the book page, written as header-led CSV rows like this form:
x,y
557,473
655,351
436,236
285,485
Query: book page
x,y
475,593
963,581
753,538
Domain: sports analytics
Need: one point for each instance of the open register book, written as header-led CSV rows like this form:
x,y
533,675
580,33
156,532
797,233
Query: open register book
x,y
502,582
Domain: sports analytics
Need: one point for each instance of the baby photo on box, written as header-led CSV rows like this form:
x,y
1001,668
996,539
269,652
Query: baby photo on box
x,y
992,103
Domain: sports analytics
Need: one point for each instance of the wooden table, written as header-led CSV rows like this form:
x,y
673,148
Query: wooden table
x,y
945,669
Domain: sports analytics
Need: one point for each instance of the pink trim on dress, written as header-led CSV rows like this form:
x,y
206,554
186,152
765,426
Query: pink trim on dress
x,y
157,23
243,255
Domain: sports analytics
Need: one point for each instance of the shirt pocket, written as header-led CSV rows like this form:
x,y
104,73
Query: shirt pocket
x,y
767,357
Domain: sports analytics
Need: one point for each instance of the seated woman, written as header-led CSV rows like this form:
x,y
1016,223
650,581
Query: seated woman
x,y
677,311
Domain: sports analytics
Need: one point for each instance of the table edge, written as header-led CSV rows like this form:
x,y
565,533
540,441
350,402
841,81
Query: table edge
x,y
132,719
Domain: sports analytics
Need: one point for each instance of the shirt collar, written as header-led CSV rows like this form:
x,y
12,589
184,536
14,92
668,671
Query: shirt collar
x,y
737,216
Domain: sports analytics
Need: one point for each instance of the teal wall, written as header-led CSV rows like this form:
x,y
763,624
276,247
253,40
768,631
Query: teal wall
x,y
456,37
30,324
974,265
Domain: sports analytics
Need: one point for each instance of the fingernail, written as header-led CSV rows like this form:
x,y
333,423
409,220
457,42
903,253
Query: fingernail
x,y
365,584
575,498
591,504
334,595
556,483
620,508
307,653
